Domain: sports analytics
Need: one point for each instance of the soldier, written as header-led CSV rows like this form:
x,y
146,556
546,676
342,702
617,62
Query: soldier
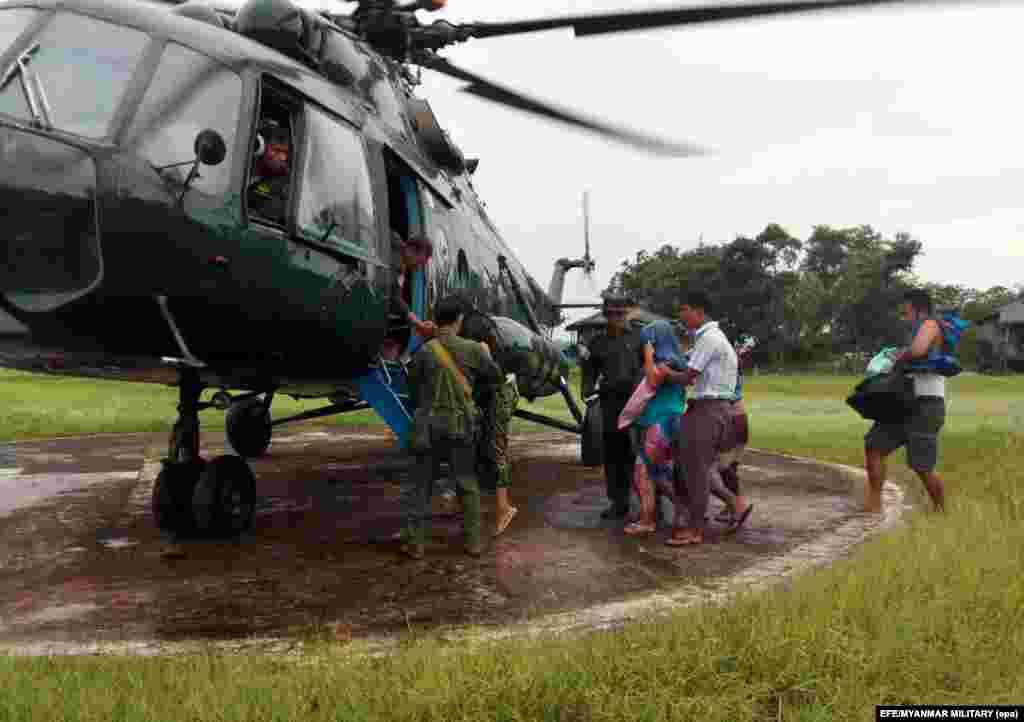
x,y
442,374
408,257
616,357
271,173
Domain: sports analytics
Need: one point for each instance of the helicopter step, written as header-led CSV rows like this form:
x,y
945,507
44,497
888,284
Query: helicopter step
x,y
193,497
384,388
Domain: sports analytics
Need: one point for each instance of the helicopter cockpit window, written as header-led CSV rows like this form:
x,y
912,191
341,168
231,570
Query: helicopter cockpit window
x,y
189,93
336,205
76,71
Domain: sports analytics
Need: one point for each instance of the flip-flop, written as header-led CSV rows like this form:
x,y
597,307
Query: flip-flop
x,y
735,526
505,521
638,528
675,542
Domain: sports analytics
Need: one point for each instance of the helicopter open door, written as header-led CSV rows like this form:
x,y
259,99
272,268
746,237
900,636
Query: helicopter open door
x,y
406,218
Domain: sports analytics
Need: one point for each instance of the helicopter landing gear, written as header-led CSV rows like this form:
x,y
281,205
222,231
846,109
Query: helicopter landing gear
x,y
248,426
195,497
224,499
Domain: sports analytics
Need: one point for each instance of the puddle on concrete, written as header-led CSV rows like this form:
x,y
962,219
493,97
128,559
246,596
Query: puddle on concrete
x,y
21,490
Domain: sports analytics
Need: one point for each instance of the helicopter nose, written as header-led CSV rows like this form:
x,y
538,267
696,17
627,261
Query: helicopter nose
x,y
49,236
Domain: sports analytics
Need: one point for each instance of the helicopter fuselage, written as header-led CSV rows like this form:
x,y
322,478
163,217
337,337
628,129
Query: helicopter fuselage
x,y
116,242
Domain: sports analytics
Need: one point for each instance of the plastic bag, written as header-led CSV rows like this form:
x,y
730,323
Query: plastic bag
x,y
643,393
882,362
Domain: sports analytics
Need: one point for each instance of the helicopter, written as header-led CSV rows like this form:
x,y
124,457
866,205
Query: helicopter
x,y
143,240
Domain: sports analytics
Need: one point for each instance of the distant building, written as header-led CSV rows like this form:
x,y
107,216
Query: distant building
x,y
585,329
1001,338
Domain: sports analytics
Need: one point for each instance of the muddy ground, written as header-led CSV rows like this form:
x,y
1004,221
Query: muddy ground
x,y
81,561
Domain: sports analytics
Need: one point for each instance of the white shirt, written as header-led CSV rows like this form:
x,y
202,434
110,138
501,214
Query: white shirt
x,y
714,357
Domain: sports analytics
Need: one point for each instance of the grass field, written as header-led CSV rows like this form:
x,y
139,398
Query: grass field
x,y
933,612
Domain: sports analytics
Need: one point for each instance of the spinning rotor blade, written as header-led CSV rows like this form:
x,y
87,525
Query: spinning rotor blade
x,y
646,19
486,89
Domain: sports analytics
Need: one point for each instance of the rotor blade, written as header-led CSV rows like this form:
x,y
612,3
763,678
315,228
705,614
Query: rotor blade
x,y
486,89
646,19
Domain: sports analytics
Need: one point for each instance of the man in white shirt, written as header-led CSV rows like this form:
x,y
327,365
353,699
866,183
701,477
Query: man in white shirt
x,y
706,428
920,431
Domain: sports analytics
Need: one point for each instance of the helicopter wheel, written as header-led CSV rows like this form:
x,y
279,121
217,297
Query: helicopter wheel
x,y
172,496
247,424
223,502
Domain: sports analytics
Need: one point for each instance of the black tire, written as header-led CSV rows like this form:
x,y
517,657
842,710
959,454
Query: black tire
x,y
172,497
224,499
247,424
592,442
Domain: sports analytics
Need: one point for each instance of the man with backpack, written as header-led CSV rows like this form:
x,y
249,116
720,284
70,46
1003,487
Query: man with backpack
x,y
928,360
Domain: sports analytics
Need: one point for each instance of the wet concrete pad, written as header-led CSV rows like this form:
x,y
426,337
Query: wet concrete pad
x,y
81,563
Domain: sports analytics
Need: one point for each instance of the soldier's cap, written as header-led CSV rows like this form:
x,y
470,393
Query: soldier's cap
x,y
617,300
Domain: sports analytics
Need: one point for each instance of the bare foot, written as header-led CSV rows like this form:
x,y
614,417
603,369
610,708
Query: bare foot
x,y
640,527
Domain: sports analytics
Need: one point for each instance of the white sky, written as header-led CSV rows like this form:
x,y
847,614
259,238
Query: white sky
x,y
907,119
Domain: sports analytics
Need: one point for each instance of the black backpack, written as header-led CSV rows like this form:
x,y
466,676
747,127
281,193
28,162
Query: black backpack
x,y
887,398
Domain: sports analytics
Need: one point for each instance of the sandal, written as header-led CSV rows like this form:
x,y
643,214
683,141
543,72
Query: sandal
x,y
505,520
674,541
639,528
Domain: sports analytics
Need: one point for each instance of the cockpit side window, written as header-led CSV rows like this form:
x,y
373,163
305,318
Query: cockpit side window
x,y
189,93
271,175
72,75
336,205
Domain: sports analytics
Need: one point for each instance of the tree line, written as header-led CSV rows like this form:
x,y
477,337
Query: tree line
x,y
806,301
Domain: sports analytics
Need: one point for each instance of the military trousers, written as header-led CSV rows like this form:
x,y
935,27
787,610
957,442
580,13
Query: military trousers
x,y
417,492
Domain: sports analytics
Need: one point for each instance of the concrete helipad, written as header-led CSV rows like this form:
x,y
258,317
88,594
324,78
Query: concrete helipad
x,y
82,566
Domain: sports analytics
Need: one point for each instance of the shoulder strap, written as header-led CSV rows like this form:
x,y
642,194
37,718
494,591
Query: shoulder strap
x,y
445,359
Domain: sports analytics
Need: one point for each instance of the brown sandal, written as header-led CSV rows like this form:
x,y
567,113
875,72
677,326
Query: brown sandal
x,y
676,541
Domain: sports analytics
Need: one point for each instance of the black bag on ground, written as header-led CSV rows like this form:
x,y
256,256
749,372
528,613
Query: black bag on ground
x,y
887,398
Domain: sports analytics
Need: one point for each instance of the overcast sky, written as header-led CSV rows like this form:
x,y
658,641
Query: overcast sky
x,y
906,119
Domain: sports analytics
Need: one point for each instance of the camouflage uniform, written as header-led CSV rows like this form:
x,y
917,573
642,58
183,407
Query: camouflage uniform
x,y
495,424
445,428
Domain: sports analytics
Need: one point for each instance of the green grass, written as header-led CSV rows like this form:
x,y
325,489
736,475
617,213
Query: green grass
x,y
41,405
932,612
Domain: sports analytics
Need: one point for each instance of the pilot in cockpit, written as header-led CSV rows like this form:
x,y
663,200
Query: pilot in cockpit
x,y
268,186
